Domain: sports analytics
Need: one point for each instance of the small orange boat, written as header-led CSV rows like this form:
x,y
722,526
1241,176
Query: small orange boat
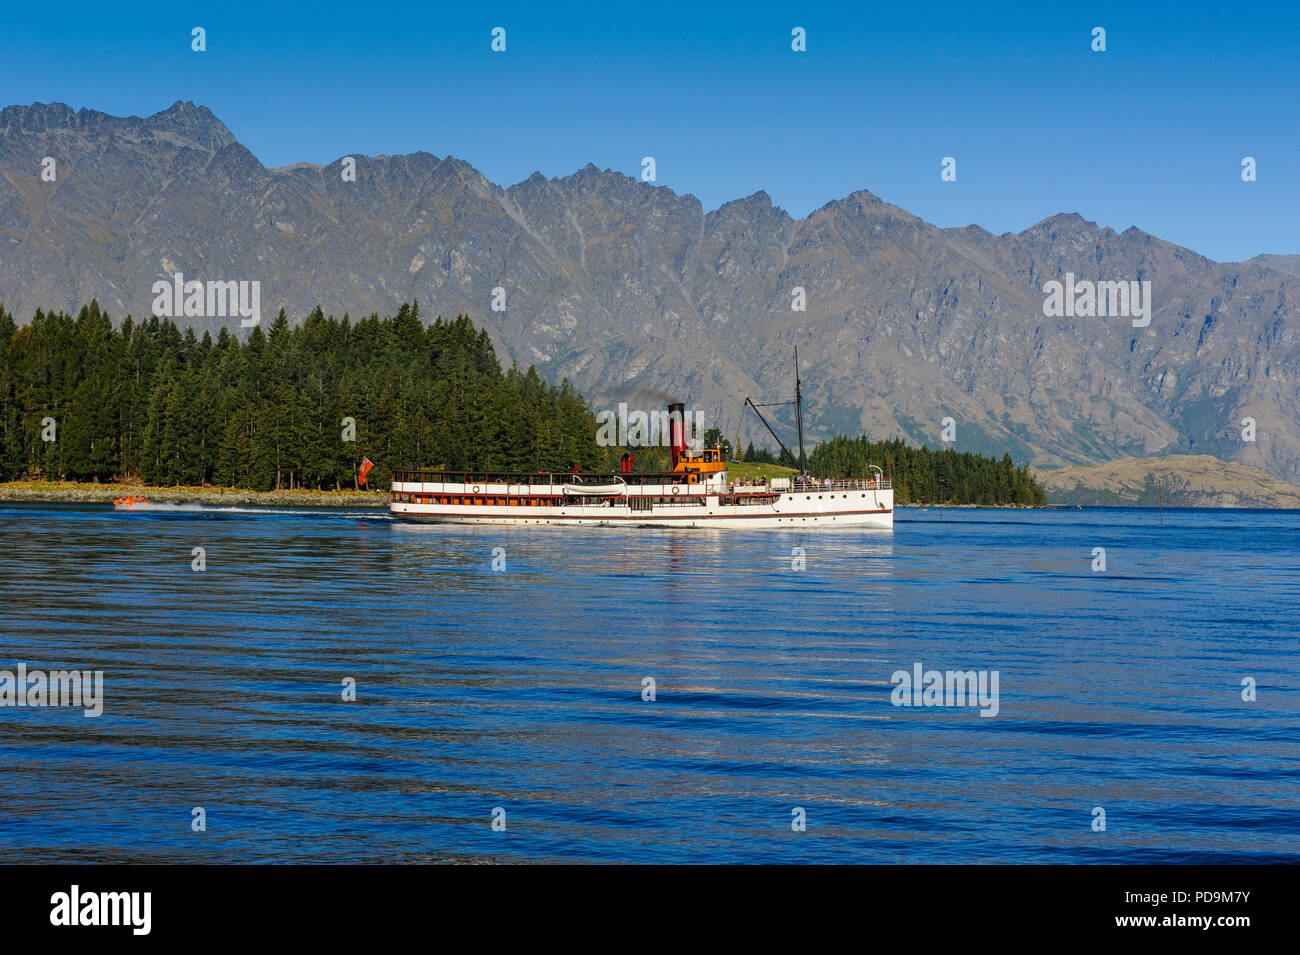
x,y
130,501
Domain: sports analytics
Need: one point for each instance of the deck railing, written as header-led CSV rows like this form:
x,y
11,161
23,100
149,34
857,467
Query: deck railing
x,y
840,484
636,479
543,479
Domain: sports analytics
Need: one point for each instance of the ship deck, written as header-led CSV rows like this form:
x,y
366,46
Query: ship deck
x,y
550,483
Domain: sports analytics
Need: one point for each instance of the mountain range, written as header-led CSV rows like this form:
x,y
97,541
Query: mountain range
x,y
636,293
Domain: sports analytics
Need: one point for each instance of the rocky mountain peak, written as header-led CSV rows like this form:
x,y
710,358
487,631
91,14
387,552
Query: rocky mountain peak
x,y
622,286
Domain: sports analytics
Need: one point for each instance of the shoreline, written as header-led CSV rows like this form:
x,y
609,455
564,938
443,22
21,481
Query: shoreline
x,y
72,492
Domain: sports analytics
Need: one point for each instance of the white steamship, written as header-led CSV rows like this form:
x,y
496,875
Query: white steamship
x,y
695,492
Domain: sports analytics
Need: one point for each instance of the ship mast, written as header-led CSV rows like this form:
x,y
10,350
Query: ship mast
x,y
798,407
798,403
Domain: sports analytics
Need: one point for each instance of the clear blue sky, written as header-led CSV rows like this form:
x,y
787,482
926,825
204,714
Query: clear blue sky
x,y
1150,133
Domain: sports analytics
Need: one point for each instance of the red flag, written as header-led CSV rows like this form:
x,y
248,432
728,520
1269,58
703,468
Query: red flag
x,y
366,465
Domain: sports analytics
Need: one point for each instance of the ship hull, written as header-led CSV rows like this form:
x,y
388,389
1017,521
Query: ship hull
x,y
878,520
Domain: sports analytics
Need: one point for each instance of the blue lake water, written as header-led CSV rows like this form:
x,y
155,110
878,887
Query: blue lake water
x,y
522,689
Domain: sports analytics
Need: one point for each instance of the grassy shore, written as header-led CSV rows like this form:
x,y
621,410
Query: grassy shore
x,y
739,471
75,493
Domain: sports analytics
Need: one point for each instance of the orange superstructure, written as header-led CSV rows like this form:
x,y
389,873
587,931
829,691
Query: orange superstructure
x,y
683,459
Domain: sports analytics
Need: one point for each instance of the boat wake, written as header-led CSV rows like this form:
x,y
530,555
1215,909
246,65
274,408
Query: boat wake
x,y
138,505
217,510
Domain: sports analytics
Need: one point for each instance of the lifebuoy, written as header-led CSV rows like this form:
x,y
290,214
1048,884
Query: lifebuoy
x,y
676,489
474,489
